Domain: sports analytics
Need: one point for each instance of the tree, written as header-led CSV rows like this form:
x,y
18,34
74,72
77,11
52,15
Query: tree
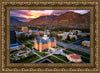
x,y
41,35
32,36
73,39
22,37
68,38
65,40
53,35
59,37
81,36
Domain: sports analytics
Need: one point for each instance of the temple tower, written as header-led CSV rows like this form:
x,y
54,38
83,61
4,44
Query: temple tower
x,y
35,44
54,41
40,46
49,44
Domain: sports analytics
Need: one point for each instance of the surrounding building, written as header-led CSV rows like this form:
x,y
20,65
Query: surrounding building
x,y
25,29
12,36
14,45
74,58
86,43
82,34
36,32
33,31
20,33
75,32
44,43
66,34
48,31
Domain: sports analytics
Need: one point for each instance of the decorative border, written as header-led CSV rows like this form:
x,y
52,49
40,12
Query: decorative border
x,y
6,6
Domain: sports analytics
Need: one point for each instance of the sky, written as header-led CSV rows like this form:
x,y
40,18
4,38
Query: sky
x,y
27,15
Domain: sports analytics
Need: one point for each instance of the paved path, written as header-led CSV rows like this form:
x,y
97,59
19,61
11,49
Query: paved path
x,y
37,54
45,60
50,60
42,58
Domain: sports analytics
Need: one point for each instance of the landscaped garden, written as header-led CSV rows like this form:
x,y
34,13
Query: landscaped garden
x,y
28,59
55,59
62,57
45,50
28,44
40,53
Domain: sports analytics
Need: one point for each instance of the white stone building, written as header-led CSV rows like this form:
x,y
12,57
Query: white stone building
x,y
86,43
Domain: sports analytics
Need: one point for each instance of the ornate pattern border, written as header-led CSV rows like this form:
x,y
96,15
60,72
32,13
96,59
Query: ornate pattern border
x,y
4,33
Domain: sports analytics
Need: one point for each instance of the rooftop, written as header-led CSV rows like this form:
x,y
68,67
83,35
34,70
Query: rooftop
x,y
11,29
75,56
16,46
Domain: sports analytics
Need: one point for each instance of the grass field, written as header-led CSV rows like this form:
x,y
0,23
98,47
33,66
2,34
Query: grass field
x,y
41,54
62,57
55,59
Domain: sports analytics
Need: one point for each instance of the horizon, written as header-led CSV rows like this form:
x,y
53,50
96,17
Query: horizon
x,y
27,15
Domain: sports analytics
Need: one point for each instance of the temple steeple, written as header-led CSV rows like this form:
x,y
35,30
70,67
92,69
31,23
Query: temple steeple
x,y
45,36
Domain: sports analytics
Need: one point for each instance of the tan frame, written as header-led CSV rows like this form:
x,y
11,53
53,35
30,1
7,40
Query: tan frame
x,y
7,6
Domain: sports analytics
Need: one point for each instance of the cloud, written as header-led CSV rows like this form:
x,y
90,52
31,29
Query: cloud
x,y
80,11
58,12
30,13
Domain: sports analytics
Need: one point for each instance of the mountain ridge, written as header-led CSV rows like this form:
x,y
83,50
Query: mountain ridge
x,y
68,19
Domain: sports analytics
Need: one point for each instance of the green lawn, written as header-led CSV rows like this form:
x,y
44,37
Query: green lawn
x,y
55,59
62,57
29,42
29,45
69,42
11,56
60,46
41,54
85,60
31,59
67,51
45,50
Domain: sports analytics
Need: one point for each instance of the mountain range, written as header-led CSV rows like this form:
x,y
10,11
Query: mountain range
x,y
68,19
14,20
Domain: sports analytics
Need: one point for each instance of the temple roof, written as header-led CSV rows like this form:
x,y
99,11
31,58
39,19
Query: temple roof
x,y
45,41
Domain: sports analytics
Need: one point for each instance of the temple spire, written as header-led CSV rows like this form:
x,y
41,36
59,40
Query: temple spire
x,y
35,39
40,41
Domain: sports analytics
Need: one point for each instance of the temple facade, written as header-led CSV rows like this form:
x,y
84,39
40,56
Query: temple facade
x,y
44,43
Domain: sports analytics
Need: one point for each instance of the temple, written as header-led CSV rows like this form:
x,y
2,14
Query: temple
x,y
44,43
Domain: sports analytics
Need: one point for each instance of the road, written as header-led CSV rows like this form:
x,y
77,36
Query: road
x,y
74,47
80,41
